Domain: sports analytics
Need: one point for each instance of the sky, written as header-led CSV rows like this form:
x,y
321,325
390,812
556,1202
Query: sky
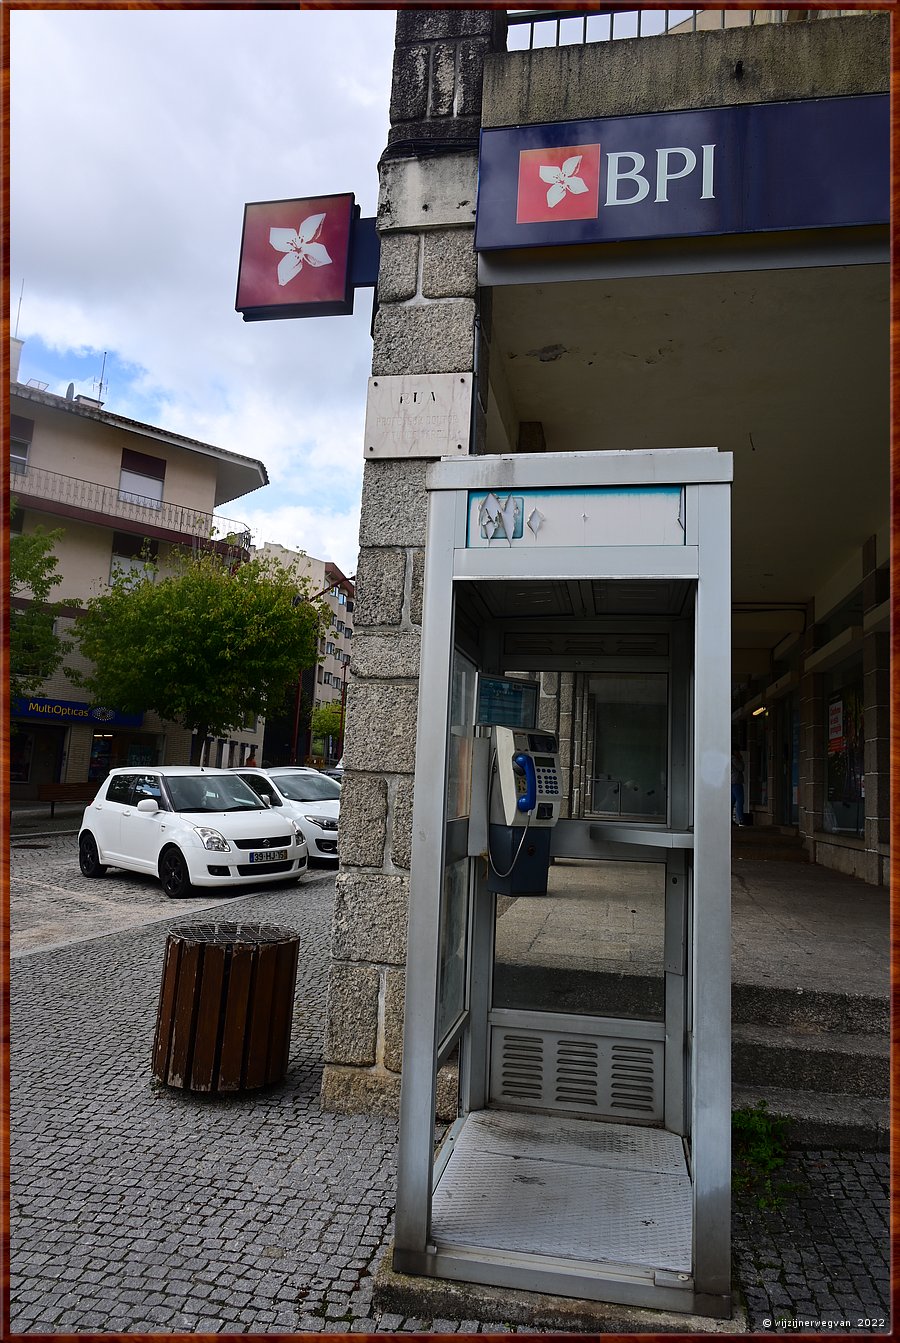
x,y
136,139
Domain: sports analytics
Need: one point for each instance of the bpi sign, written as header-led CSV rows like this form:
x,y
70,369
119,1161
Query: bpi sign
x,y
813,164
564,183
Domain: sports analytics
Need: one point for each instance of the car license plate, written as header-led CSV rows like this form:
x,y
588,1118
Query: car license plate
x,y
268,856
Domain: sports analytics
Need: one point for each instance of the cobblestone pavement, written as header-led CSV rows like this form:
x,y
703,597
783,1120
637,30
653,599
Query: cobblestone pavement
x,y
142,1209
820,1262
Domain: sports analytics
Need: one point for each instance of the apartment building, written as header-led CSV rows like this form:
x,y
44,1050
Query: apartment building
x,y
116,488
288,738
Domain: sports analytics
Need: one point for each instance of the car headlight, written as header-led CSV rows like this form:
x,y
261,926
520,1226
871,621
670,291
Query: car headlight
x,y
323,822
301,838
212,839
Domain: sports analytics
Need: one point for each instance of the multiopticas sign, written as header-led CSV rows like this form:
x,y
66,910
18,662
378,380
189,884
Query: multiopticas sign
x,y
73,711
812,164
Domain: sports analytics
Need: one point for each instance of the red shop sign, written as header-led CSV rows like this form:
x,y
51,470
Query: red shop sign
x,y
295,258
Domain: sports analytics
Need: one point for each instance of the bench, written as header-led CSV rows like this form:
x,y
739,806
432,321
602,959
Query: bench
x,y
67,792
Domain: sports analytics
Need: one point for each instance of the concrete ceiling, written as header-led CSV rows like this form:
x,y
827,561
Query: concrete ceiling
x,y
786,369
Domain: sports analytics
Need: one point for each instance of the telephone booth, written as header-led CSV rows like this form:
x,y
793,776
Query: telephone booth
x,y
572,811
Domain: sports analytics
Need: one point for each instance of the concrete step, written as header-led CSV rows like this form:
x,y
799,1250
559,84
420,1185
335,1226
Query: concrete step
x,y
819,1120
805,1009
811,1060
618,994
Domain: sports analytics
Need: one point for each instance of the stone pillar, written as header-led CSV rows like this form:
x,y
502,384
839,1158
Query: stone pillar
x,y
424,323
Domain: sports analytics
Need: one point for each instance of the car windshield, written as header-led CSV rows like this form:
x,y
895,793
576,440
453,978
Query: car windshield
x,y
307,787
211,792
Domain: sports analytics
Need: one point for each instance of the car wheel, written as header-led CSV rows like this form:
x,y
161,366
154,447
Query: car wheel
x,y
173,873
89,857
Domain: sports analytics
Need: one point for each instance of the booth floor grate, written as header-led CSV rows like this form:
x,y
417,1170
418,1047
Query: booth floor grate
x,y
566,1189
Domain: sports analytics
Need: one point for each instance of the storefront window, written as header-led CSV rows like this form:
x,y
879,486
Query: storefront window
x,y
845,783
21,749
101,756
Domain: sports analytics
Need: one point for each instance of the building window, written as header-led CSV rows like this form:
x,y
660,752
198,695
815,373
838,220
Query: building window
x,y
21,432
329,647
18,457
342,598
348,633
340,627
142,479
320,675
132,555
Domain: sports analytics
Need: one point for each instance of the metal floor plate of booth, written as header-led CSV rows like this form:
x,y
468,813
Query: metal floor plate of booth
x,y
568,1189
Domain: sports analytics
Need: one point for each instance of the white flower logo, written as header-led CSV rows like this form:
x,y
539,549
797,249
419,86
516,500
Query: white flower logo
x,y
562,180
299,247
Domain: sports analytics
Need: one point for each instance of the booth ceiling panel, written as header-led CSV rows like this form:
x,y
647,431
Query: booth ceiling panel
x,y
581,599
609,644
550,1186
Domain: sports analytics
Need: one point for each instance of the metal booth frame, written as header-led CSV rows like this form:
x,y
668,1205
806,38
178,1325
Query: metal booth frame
x,y
695,841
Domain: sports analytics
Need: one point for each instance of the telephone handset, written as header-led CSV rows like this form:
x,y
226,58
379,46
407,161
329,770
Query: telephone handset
x,y
523,764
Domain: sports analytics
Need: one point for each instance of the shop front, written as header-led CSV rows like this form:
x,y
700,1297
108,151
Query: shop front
x,y
58,740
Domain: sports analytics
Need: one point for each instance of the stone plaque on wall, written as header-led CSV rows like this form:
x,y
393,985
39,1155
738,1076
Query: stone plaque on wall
x,y
419,415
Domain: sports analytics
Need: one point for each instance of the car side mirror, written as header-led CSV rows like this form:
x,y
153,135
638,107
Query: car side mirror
x,y
265,799
149,805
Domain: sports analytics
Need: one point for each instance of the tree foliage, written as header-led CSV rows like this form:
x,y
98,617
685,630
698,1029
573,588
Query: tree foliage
x,y
203,644
326,719
35,649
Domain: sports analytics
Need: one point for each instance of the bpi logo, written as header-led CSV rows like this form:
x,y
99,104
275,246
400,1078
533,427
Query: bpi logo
x,y
564,183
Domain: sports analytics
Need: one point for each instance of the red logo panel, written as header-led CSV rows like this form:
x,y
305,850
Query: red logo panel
x,y
561,183
295,252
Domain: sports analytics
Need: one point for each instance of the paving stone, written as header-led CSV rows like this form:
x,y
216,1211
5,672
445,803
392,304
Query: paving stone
x,y
136,1207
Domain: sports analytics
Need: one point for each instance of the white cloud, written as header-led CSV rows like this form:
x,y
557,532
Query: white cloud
x,y
136,138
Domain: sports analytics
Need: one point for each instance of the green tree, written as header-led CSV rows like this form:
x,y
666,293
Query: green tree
x,y
206,644
326,719
35,649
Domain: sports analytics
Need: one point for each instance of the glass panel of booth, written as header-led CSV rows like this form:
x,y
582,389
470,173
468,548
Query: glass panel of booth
x,y
454,888
462,706
454,927
627,724
593,946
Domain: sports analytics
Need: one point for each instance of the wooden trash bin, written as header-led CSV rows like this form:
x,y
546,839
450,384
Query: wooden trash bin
x,y
225,1006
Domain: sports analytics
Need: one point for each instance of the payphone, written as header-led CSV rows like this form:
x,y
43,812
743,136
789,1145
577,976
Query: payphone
x,y
523,803
590,1153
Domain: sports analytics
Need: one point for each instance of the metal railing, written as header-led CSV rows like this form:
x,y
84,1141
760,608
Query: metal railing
x,y
571,27
34,482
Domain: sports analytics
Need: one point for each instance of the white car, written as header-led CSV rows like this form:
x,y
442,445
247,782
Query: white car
x,y
188,826
311,798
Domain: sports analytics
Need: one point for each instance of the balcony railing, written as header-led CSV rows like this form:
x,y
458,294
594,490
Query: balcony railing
x,y
180,522
533,28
